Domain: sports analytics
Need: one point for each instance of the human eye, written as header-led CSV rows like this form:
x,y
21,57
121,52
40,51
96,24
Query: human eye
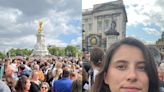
x,y
121,67
141,67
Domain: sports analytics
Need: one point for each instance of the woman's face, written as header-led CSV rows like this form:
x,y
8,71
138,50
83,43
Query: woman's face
x,y
35,75
28,84
44,88
126,73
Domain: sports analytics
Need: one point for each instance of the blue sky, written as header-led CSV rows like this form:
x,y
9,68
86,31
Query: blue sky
x,y
141,33
145,18
68,37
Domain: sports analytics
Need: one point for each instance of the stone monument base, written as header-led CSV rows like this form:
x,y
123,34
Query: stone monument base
x,y
40,53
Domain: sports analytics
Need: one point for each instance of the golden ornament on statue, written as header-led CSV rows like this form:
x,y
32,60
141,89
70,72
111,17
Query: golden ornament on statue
x,y
40,26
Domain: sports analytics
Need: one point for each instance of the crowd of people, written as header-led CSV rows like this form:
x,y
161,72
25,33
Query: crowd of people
x,y
126,66
48,74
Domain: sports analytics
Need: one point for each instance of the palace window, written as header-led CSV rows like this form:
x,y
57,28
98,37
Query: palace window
x,y
99,25
90,26
106,26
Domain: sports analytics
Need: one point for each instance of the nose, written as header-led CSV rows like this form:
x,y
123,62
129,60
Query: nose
x,y
131,75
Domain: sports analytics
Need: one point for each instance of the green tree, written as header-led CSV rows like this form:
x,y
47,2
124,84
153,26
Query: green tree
x,y
53,50
71,50
56,51
13,52
26,52
2,55
61,52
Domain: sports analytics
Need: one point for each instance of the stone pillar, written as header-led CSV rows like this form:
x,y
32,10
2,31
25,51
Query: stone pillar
x,y
111,34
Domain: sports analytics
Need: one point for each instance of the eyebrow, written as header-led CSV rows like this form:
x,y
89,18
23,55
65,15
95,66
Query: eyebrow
x,y
141,62
119,61
125,61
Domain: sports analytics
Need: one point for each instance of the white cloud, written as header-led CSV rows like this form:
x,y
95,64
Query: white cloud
x,y
151,31
77,41
134,36
86,4
58,23
30,40
102,1
19,22
9,14
145,12
139,11
147,42
56,42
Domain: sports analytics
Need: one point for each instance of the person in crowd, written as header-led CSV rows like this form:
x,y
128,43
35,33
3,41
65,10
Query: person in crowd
x,y
85,83
156,54
11,83
44,87
161,76
15,68
40,72
23,84
4,87
77,86
57,74
23,71
10,72
27,68
85,63
1,69
96,56
7,62
49,77
57,71
73,76
128,66
64,84
58,66
35,82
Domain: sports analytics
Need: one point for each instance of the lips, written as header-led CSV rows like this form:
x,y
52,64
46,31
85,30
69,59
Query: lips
x,y
130,89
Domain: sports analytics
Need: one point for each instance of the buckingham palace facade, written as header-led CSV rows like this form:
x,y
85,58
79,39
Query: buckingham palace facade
x,y
98,20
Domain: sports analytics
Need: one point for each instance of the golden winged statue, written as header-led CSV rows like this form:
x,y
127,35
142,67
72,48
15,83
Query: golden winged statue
x,y
40,26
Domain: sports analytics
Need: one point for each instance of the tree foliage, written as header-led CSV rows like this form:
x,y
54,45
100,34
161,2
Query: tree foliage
x,y
57,51
23,52
2,55
71,50
67,51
